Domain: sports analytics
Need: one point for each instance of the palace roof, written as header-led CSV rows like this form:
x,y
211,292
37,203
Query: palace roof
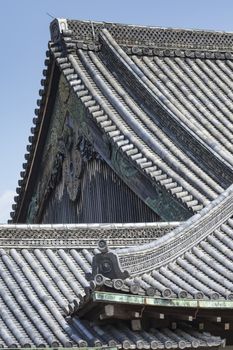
x,y
192,261
43,273
160,98
158,101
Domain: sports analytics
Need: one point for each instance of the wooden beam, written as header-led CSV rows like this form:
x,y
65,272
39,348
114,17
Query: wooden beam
x,y
170,314
154,314
215,327
217,319
119,312
182,317
136,325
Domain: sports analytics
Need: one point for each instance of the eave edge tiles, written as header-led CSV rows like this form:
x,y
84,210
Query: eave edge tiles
x,y
63,34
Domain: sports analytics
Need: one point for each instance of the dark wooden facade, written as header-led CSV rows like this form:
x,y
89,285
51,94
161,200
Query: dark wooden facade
x,y
102,198
74,184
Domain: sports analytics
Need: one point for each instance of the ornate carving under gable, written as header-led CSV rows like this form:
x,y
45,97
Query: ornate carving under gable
x,y
77,153
65,154
72,172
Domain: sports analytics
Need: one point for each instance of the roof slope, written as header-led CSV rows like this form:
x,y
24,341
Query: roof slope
x,y
192,261
39,286
160,97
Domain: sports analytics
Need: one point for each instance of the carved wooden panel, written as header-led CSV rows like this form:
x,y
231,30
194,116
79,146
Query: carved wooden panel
x,y
103,197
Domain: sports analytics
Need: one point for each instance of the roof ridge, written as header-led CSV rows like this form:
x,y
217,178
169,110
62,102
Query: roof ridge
x,y
162,37
137,260
93,226
148,26
71,236
219,204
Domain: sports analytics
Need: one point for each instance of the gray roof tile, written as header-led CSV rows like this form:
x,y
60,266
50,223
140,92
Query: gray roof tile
x,y
39,286
194,260
184,80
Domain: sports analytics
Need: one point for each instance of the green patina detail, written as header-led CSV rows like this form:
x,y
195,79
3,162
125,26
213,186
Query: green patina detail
x,y
161,202
122,165
77,109
68,122
108,297
51,149
32,209
67,116
168,208
70,113
64,90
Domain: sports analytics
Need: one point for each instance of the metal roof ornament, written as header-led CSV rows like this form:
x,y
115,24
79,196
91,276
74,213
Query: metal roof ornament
x,y
107,264
57,27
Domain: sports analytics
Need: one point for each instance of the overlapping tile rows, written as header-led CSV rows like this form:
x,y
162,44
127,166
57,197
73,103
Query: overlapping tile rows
x,y
121,336
134,131
43,268
193,261
88,32
81,235
192,87
39,285
145,143
155,159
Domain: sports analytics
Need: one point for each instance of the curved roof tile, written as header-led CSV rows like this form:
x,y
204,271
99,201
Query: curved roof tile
x,y
161,96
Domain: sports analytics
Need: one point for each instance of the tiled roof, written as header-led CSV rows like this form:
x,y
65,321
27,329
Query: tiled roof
x,y
122,336
88,32
192,261
81,235
161,96
39,286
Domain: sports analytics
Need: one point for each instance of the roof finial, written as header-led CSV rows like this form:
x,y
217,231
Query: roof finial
x,y
57,26
106,263
48,14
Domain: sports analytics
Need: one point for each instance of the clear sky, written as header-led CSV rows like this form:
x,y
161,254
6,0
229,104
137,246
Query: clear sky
x,y
24,36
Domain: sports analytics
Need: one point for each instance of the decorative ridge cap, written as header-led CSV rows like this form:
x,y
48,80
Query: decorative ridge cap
x,y
146,26
221,201
66,236
173,38
142,258
139,259
105,226
106,264
57,27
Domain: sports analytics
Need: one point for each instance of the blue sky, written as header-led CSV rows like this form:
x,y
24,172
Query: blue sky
x,y
24,37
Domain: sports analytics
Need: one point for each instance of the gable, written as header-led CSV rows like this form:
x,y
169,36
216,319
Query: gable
x,y
145,109
74,183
